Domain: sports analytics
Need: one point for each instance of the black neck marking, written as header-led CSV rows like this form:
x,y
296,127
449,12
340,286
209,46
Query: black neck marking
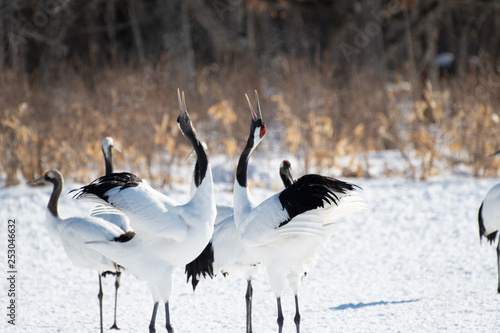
x,y
189,132
203,265
201,166
197,174
108,160
241,169
54,197
285,174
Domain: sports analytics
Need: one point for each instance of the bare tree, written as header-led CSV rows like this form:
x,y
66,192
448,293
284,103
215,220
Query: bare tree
x,y
2,35
136,32
110,21
222,39
373,30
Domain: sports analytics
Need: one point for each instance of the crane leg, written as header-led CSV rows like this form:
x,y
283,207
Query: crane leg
x,y
498,266
297,314
280,315
152,328
168,326
248,298
99,296
117,285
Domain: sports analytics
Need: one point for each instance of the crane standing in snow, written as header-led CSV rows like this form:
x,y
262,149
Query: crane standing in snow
x,y
74,232
168,235
225,253
112,215
287,232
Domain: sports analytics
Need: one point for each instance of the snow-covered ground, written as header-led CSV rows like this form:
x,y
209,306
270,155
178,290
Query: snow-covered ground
x,y
411,263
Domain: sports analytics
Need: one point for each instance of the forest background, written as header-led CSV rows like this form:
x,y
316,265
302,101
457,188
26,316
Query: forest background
x,y
337,80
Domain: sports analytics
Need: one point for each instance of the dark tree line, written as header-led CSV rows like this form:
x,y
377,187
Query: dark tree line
x,y
40,37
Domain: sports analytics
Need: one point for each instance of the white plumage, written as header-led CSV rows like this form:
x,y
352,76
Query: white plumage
x,y
111,214
225,252
168,234
105,211
489,217
287,232
74,232
223,211
489,220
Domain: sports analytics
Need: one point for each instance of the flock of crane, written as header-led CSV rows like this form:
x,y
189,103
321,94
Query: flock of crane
x,y
137,229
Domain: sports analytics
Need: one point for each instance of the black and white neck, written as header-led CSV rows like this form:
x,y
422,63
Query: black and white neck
x,y
257,132
187,129
107,150
286,173
241,196
53,176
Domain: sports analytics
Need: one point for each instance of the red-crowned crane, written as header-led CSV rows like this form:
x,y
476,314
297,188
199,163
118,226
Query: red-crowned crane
x,y
168,235
74,232
287,232
225,253
489,219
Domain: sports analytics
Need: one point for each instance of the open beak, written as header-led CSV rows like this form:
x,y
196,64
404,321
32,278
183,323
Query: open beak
x,y
255,115
182,103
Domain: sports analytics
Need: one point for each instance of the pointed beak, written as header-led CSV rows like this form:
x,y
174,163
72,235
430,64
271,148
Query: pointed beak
x,y
192,153
116,148
259,112
182,103
255,115
37,182
252,112
494,154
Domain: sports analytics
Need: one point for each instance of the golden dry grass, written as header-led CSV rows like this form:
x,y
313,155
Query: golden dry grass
x,y
62,125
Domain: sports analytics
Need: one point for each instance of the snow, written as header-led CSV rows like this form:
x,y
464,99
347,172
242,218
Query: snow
x,y
411,263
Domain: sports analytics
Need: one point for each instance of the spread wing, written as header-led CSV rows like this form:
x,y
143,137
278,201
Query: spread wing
x,y
307,207
150,212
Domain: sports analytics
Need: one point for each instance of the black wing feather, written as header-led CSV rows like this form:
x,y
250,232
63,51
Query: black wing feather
x,y
103,184
125,237
202,265
311,192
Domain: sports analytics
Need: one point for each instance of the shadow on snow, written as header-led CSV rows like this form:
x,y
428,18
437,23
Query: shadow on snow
x,y
362,305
